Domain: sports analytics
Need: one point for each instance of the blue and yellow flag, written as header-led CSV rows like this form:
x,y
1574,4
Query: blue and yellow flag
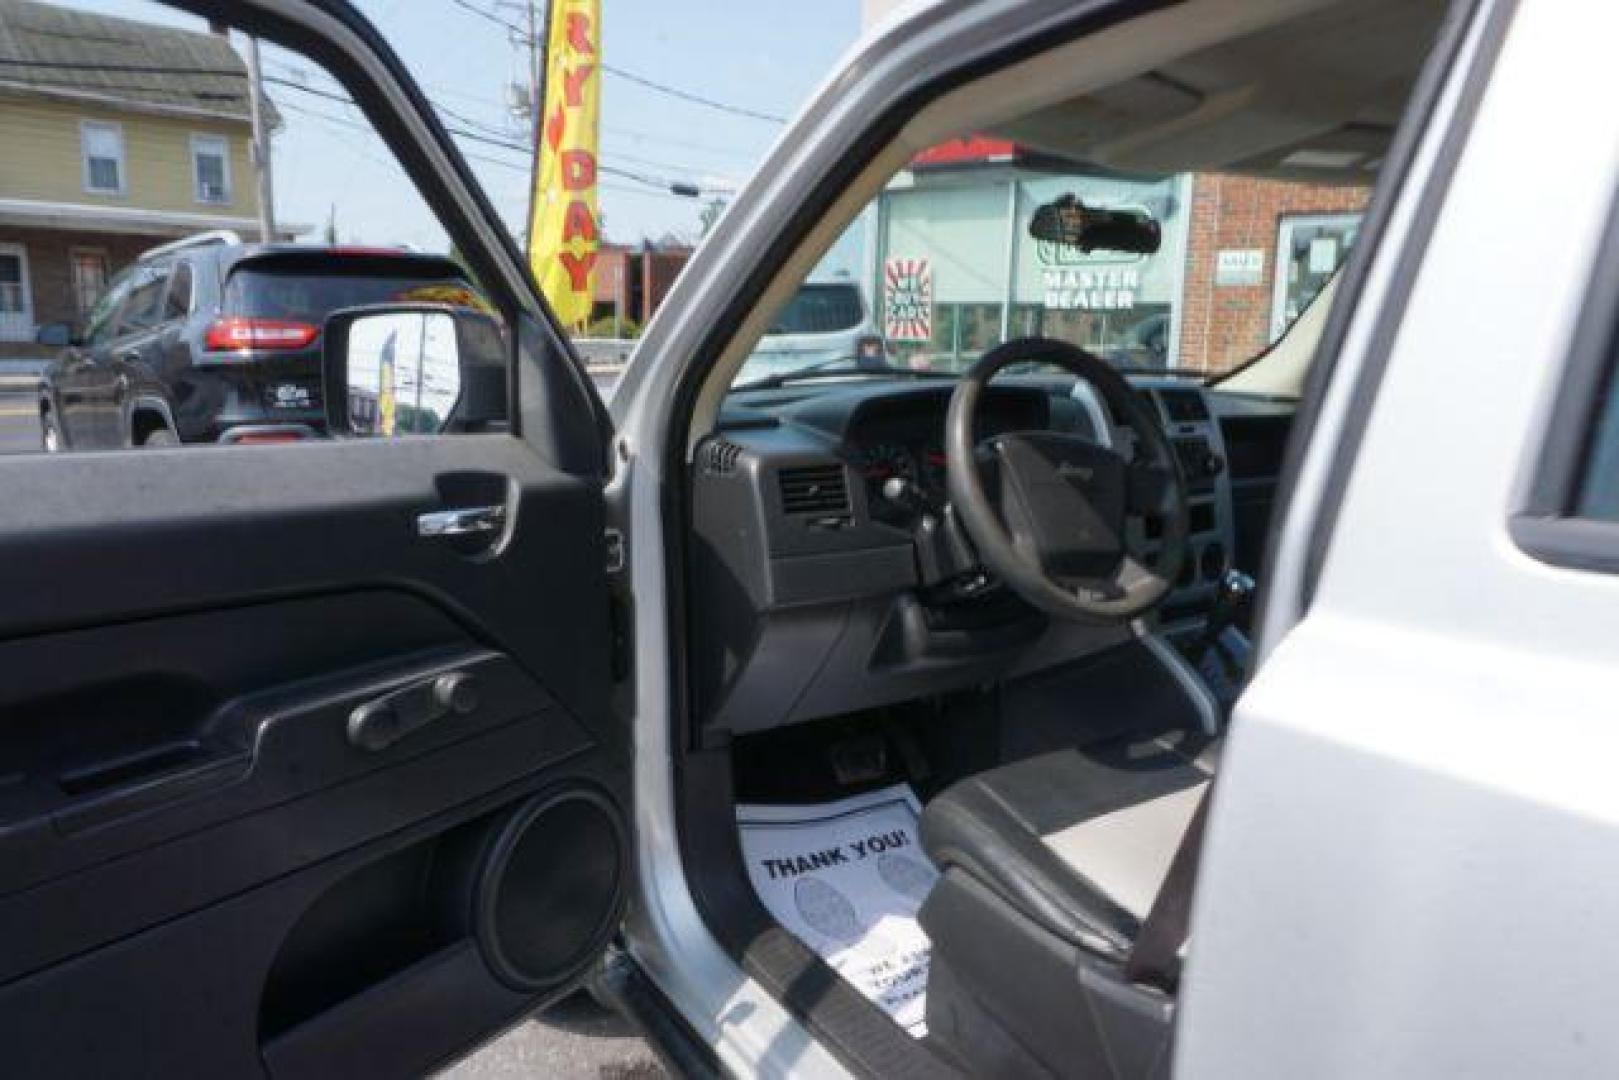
x,y
564,236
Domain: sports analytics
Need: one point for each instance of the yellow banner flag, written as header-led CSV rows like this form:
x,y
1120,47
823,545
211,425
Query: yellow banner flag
x,y
563,233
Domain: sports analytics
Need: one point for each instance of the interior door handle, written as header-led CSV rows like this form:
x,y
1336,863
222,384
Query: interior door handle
x,y
469,521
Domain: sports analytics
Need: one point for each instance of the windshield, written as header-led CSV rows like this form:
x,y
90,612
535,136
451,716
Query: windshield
x,y
980,241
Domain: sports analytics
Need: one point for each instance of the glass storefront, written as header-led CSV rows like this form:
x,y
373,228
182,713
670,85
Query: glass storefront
x,y
991,281
947,268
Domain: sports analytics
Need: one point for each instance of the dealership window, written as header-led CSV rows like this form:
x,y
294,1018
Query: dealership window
x,y
961,268
88,272
16,304
1309,250
210,168
103,145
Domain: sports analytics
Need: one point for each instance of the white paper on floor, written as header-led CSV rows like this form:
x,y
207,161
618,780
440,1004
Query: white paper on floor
x,y
846,878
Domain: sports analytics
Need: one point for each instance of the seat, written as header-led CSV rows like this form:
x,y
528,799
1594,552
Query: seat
x,y
1049,868
1078,841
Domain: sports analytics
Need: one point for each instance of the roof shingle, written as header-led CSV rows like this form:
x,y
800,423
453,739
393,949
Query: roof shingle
x,y
50,48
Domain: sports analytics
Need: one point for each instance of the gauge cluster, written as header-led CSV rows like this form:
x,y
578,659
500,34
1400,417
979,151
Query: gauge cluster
x,y
908,444
920,465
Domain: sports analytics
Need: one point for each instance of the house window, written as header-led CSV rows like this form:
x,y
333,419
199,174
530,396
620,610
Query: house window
x,y
103,157
210,168
88,267
16,303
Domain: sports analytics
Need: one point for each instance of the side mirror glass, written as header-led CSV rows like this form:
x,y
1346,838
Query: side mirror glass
x,y
56,335
397,370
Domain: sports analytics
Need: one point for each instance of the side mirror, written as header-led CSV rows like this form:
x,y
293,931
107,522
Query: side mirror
x,y
56,335
393,370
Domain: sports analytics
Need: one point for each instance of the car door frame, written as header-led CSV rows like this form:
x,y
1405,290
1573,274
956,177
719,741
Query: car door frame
x,y
675,929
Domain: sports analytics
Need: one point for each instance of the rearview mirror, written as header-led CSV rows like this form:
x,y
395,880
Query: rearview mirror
x,y
1071,223
394,370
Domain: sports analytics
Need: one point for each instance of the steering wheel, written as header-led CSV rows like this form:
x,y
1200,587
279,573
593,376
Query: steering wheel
x,y
1054,530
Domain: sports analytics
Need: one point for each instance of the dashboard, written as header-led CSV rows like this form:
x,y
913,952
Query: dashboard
x,y
831,577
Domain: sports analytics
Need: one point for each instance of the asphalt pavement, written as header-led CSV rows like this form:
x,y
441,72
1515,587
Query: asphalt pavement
x,y
576,1040
19,423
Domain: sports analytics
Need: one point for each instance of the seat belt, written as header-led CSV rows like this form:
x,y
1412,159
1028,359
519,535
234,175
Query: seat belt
x,y
1156,958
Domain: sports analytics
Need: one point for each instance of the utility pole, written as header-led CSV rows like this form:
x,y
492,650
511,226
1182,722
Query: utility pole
x,y
539,32
261,143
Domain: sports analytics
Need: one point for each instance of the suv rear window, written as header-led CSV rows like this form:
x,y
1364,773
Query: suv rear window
x,y
307,290
821,309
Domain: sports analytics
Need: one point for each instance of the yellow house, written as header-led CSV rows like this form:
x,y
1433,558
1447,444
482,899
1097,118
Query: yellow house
x,y
115,136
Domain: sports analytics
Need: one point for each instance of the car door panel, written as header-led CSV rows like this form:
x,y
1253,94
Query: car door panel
x,y
255,984
189,636
288,786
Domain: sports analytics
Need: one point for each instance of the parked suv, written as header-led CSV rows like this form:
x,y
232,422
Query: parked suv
x,y
209,339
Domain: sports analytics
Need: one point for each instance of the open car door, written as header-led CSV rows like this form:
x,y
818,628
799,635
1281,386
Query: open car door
x,y
307,760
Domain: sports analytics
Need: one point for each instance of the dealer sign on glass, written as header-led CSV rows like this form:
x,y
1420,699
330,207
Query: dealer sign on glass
x,y
908,300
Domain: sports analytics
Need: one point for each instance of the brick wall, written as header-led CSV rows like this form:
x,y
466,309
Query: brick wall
x,y
661,268
1224,325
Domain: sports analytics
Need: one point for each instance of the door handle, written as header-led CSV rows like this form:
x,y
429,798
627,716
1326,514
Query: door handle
x,y
468,521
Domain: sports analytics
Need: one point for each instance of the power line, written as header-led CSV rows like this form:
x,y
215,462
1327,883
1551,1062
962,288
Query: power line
x,y
656,182
685,144
695,99
296,79
630,76
520,31
468,131
471,155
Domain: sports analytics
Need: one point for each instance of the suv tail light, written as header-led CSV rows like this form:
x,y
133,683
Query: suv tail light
x,y
227,335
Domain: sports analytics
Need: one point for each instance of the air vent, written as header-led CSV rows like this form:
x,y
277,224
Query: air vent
x,y
815,491
1184,406
720,457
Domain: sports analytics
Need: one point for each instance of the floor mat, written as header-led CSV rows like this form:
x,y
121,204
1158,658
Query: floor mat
x,y
846,878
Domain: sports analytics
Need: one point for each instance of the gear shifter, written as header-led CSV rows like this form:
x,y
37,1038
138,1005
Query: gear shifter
x,y
1232,598
1224,652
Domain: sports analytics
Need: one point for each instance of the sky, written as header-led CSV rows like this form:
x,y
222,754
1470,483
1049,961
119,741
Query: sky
x,y
765,57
